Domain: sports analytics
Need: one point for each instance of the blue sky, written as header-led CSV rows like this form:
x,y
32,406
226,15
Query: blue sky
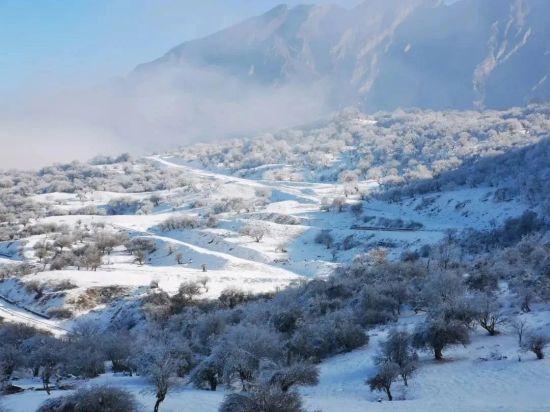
x,y
89,41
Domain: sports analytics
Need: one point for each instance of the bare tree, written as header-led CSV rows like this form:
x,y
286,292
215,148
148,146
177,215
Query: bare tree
x,y
519,325
387,374
536,342
489,314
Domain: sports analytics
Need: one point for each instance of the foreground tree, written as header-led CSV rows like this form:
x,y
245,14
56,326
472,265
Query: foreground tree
x,y
120,349
159,365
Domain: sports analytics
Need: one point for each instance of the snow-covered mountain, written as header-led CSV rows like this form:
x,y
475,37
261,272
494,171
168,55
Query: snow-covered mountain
x,y
385,54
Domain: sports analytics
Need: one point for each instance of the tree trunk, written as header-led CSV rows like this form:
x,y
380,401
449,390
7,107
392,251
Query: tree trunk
x,y
160,398
47,387
213,384
388,392
157,404
438,354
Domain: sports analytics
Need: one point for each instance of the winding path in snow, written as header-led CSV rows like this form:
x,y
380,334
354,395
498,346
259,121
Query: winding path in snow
x,y
15,313
297,190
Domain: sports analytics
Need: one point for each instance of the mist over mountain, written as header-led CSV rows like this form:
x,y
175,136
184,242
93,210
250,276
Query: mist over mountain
x,y
319,208
385,54
292,66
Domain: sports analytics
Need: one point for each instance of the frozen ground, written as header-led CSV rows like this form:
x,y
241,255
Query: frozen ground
x,y
484,376
288,254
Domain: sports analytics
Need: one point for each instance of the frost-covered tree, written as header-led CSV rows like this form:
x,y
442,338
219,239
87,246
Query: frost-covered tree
x,y
42,250
83,355
231,297
437,334
107,241
11,358
255,230
397,348
208,373
45,355
536,342
63,241
387,374
298,374
158,363
324,238
179,222
90,257
93,399
263,398
120,348
338,204
187,293
140,248
242,348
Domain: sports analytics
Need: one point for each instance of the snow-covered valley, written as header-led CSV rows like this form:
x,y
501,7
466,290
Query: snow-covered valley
x,y
238,272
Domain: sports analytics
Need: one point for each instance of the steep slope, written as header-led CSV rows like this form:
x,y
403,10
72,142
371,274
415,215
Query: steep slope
x,y
387,54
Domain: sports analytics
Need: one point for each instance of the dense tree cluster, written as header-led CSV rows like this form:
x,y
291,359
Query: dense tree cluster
x,y
394,148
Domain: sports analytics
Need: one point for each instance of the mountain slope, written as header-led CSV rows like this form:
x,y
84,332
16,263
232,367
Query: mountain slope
x,y
386,54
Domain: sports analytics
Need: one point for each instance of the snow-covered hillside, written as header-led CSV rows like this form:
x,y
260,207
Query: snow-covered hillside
x,y
286,252
238,262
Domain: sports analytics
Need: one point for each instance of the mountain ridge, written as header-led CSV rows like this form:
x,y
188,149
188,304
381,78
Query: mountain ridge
x,y
384,55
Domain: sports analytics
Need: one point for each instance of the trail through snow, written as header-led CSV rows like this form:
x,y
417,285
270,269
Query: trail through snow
x,y
15,313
